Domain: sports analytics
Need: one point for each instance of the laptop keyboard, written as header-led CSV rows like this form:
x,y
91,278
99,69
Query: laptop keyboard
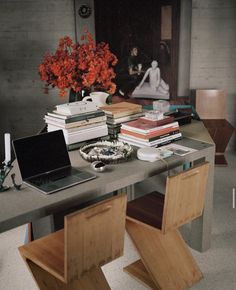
x,y
53,176
59,179
56,176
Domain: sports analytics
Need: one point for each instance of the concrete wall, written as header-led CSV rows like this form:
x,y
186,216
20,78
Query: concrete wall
x,y
213,50
184,48
81,23
28,29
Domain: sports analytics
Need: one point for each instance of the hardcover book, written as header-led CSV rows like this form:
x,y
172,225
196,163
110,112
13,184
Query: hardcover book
x,y
111,120
86,134
165,120
142,127
121,109
137,142
75,108
75,129
54,121
149,137
69,119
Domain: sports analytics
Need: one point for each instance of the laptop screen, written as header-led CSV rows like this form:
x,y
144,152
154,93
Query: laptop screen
x,y
41,153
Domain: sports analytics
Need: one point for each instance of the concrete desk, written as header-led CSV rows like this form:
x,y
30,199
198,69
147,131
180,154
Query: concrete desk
x,y
29,205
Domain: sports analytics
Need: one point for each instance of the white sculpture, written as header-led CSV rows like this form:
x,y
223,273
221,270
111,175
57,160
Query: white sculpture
x,y
156,88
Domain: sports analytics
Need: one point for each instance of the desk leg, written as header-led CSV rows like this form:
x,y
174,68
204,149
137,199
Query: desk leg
x,y
129,190
43,227
201,227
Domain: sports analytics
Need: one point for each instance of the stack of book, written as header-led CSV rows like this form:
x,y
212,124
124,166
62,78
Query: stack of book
x,y
150,133
77,127
120,113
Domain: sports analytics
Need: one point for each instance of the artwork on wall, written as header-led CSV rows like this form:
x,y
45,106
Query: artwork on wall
x,y
140,32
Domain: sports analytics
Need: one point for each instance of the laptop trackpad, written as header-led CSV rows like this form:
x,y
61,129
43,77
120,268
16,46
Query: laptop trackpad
x,y
72,179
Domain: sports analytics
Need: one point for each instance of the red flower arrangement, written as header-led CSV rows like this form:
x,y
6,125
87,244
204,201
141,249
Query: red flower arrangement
x,y
79,66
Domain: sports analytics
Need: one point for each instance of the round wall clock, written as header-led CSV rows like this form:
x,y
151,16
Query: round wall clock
x,y
85,11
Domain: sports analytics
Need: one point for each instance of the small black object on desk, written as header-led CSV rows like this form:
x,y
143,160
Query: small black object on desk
x,y
183,116
16,186
3,174
98,166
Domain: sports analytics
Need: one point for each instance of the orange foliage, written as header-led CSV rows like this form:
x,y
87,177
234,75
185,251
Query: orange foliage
x,y
79,66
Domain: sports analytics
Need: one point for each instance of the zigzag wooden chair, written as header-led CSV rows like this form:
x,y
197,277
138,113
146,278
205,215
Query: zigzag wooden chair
x,y
71,258
152,222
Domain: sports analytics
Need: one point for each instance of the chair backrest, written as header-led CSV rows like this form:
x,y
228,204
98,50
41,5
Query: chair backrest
x,y
184,197
94,236
210,104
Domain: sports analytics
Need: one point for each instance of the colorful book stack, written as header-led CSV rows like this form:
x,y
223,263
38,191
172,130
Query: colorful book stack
x,y
120,113
150,133
77,127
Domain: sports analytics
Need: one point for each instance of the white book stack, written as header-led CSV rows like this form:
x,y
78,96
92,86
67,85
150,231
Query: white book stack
x,y
79,121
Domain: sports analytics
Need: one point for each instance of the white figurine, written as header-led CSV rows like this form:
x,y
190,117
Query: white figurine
x,y
156,86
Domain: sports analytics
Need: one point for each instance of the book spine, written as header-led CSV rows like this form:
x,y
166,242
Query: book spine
x,y
151,130
131,142
168,141
84,116
64,117
75,129
164,135
123,113
161,122
159,137
55,115
137,144
74,124
86,131
133,117
165,139
150,144
53,119
151,135
75,138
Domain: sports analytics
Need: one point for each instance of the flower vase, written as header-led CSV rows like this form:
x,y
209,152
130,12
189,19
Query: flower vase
x,y
75,96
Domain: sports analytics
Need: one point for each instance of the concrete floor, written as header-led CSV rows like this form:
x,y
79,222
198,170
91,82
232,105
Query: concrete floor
x,y
217,264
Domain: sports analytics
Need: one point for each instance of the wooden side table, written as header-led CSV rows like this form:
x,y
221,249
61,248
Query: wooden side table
x,y
221,131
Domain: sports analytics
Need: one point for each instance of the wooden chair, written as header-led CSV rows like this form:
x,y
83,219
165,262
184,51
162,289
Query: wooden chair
x,y
152,223
71,258
211,107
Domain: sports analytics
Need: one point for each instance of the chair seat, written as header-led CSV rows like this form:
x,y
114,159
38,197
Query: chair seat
x,y
48,253
147,209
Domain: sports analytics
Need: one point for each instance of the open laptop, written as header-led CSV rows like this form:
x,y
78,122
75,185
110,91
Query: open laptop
x,y
44,162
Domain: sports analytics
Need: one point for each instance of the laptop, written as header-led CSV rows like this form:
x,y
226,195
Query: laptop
x,y
44,163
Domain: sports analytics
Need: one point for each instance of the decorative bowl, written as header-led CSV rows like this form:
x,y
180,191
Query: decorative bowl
x,y
106,151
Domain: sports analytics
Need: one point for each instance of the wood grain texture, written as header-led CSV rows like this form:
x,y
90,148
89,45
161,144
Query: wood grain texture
x,y
92,280
182,202
220,160
47,253
221,131
147,209
71,258
122,109
94,236
138,271
166,257
210,104
184,197
152,222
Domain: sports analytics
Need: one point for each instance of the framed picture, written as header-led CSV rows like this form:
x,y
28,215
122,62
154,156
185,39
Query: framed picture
x,y
140,32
